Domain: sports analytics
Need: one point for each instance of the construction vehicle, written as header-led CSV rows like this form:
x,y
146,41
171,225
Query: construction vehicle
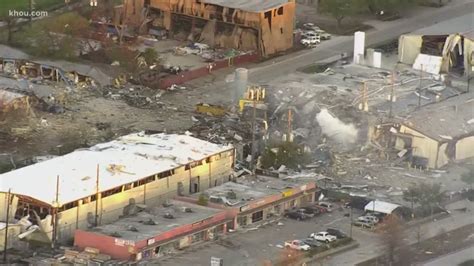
x,y
209,109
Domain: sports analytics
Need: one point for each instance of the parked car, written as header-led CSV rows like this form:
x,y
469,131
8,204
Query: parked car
x,y
368,218
326,205
364,224
312,242
311,41
297,244
337,233
323,35
323,237
297,215
310,210
310,26
309,33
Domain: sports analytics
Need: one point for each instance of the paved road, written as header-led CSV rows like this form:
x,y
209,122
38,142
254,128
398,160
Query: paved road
x,y
368,250
454,258
384,32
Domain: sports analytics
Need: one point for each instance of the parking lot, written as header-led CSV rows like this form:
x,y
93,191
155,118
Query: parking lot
x,y
257,245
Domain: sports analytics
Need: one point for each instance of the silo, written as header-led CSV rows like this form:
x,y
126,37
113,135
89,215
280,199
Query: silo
x,y
240,83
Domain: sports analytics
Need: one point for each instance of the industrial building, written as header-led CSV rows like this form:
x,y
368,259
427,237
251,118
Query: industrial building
x,y
445,47
184,221
155,232
438,133
254,200
264,26
90,187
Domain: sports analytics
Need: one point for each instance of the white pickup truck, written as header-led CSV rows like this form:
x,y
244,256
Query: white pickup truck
x,y
323,237
297,244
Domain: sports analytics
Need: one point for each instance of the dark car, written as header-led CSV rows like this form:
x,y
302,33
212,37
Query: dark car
x,y
337,233
296,215
313,243
310,210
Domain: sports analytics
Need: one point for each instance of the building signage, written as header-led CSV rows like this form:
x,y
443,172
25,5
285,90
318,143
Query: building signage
x,y
287,193
151,241
123,242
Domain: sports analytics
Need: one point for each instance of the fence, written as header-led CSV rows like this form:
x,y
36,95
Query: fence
x,y
186,76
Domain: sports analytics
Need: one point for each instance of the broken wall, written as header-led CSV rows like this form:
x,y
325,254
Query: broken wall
x,y
132,11
469,56
443,157
275,26
409,46
465,148
277,29
422,145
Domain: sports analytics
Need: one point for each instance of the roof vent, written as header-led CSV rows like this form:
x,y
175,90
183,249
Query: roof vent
x,y
150,222
168,216
115,234
132,228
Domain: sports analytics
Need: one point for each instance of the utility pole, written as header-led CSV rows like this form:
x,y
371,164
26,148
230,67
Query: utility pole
x,y
7,221
97,197
56,218
392,81
419,89
364,106
254,118
350,233
290,129
468,79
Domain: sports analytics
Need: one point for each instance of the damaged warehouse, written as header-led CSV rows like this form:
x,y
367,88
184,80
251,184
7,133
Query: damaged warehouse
x,y
92,186
262,26
435,135
439,50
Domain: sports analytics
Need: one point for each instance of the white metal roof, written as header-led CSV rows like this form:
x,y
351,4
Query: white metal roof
x,y
248,5
141,155
381,206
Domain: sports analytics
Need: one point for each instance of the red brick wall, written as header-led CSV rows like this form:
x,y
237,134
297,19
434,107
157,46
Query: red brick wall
x,y
106,244
123,249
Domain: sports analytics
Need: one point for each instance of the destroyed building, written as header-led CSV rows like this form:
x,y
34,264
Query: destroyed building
x,y
12,99
264,26
438,133
92,186
156,232
442,48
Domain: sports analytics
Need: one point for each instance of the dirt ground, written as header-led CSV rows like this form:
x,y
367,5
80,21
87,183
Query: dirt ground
x,y
91,118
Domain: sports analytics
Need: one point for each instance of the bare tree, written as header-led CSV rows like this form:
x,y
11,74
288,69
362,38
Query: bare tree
x,y
394,241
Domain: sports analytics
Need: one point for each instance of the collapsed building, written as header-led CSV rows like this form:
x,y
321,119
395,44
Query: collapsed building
x,y
433,136
12,99
51,71
264,26
92,186
440,48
